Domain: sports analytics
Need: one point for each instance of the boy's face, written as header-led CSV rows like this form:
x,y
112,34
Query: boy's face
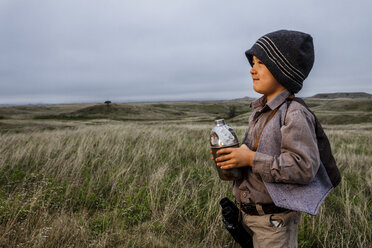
x,y
263,81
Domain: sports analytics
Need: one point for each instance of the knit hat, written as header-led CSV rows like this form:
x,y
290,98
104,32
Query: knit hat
x,y
288,55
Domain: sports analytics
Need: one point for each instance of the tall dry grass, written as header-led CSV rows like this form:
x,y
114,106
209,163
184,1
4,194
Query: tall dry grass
x,y
151,185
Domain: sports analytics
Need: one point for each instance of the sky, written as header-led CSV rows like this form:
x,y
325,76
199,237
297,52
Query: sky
x,y
73,51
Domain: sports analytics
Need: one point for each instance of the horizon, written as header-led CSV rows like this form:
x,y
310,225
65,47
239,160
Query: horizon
x,y
170,101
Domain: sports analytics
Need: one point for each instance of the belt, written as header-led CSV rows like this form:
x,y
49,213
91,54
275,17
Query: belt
x,y
266,209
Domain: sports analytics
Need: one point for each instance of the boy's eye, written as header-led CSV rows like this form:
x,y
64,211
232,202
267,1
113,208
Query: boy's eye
x,y
258,62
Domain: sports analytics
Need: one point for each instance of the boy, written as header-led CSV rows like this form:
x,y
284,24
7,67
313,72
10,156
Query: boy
x,y
280,145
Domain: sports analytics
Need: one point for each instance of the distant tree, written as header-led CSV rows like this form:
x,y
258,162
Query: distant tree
x,y
107,103
232,111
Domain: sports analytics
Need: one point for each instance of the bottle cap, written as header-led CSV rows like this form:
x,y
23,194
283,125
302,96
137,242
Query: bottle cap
x,y
219,122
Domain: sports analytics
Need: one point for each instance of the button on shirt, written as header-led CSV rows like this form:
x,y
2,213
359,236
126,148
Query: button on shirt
x,y
293,165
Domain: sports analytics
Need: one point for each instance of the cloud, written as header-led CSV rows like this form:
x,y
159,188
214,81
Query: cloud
x,y
161,50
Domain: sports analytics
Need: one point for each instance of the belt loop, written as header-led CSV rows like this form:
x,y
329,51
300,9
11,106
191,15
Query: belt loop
x,y
259,209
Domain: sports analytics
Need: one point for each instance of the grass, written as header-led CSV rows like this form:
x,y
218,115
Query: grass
x,y
102,179
111,183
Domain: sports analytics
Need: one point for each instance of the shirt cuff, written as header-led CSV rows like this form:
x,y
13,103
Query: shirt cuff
x,y
262,166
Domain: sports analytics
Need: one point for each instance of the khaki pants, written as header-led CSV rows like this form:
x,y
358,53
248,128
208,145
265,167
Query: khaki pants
x,y
274,230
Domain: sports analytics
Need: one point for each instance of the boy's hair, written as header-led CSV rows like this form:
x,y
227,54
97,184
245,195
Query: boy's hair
x,y
288,55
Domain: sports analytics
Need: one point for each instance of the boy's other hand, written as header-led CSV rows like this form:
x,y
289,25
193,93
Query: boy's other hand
x,y
212,155
236,157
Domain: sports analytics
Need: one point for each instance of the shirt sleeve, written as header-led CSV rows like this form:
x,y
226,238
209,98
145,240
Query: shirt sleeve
x,y
299,159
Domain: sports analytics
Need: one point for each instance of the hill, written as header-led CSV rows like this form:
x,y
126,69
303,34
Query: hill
x,y
329,111
342,95
246,98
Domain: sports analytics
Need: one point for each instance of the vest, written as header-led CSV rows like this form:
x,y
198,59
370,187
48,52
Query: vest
x,y
304,198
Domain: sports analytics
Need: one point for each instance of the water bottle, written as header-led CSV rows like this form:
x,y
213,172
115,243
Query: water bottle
x,y
223,136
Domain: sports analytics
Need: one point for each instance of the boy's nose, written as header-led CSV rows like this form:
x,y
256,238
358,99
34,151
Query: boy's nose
x,y
253,71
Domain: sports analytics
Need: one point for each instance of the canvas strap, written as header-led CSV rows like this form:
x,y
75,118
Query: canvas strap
x,y
240,207
267,121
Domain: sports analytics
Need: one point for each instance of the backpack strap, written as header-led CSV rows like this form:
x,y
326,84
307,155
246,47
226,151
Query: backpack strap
x,y
324,146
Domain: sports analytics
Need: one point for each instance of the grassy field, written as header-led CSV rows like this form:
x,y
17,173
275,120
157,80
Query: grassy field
x,y
140,175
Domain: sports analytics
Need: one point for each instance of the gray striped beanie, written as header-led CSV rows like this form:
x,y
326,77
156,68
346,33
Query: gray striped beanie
x,y
288,55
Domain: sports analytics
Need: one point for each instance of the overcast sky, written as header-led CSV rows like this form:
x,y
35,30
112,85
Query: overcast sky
x,y
65,51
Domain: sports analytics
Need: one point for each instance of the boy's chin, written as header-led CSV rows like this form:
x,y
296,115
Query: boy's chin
x,y
258,90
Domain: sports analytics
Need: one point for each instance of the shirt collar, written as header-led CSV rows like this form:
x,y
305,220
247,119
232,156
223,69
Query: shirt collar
x,y
260,103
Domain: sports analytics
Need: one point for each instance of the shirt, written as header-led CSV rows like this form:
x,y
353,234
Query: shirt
x,y
298,161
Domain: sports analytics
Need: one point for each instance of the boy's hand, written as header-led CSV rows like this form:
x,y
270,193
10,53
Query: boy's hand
x,y
236,157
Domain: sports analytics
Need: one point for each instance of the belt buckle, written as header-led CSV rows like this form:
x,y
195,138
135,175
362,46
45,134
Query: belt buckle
x,y
259,209
250,209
